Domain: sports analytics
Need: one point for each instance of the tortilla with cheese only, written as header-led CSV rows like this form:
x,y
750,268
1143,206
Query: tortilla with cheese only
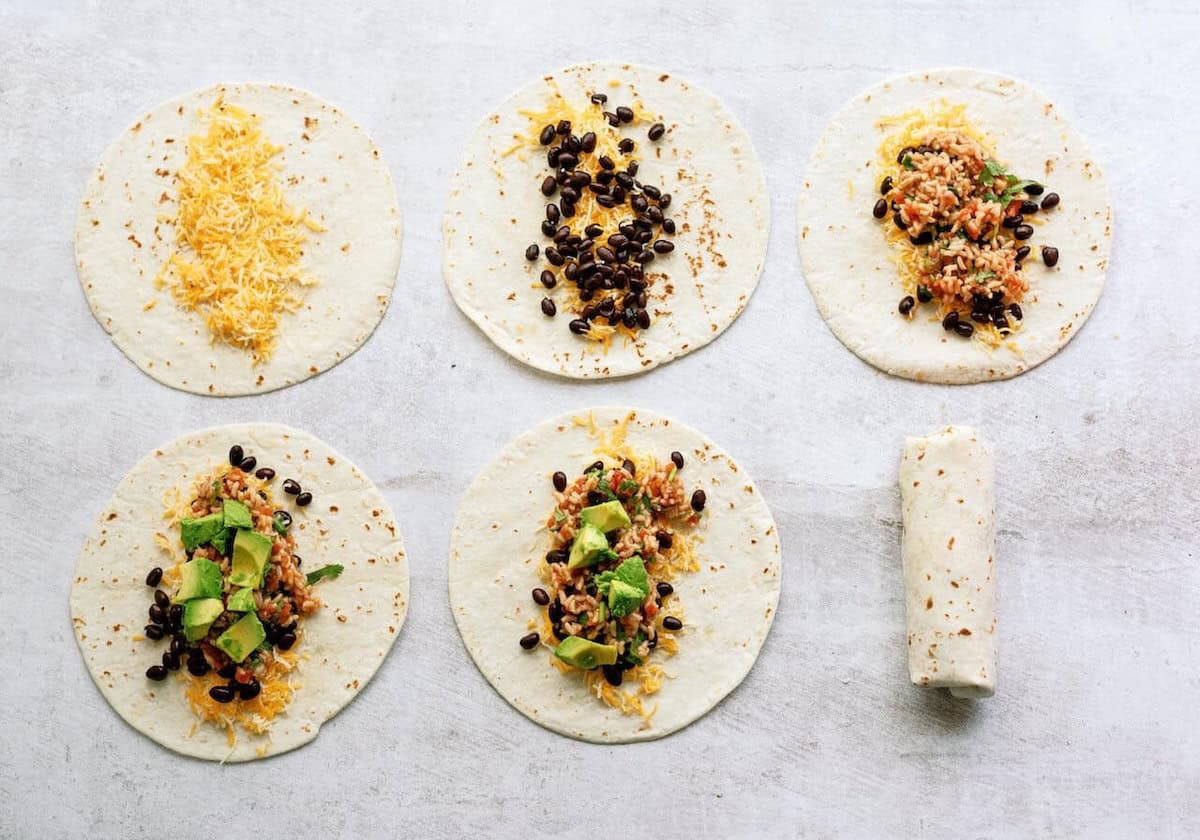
x,y
341,645
720,204
948,499
328,165
500,538
848,265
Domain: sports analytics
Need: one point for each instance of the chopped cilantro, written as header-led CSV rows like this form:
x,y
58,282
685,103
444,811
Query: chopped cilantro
x,y
627,486
1013,189
646,504
907,162
330,571
992,169
281,520
559,516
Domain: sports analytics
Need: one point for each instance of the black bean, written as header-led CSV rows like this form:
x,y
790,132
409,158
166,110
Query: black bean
x,y
924,295
980,316
540,596
1022,252
158,614
625,146
656,132
579,326
552,213
154,631
1034,189
198,667
235,455
1011,222
614,674
1023,232
175,614
698,500
227,670
1050,255
886,186
548,279
625,114
223,693
663,246
250,690
161,598
906,304
248,464
568,161
923,238
1050,201
1014,309
881,209
1000,321
655,215
900,223
664,589
155,576
549,185
1028,208
264,473
530,640
965,328
677,460
178,646
643,319
560,481
672,623
599,98
156,672
304,498
668,225
548,308
170,661
282,518
291,486
950,321
595,497
547,135
286,640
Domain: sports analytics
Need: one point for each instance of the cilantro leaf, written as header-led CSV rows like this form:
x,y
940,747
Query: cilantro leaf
x,y
1014,187
992,169
330,571
559,516
627,486
907,162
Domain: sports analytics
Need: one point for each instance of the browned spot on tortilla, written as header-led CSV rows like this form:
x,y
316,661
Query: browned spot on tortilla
x,y
929,603
964,632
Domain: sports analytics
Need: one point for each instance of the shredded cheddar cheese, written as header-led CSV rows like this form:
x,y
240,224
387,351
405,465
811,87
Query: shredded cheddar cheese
x,y
255,716
239,243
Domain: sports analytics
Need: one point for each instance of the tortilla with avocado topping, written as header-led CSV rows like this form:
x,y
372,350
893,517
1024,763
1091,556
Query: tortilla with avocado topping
x,y
953,227
623,601
239,239
233,647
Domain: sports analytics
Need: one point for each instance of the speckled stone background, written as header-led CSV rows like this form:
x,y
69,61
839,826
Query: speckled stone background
x,y
1095,730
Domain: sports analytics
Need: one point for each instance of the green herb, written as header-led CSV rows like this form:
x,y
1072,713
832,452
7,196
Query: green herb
x,y
671,474
606,488
907,162
646,504
984,275
627,486
559,516
330,571
990,196
279,523
602,612
992,169
1014,187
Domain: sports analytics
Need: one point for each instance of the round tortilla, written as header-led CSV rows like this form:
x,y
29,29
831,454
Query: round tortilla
x,y
343,643
328,166
706,161
500,537
847,262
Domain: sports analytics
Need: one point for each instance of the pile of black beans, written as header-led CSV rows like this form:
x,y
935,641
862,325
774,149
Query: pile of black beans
x,y
607,266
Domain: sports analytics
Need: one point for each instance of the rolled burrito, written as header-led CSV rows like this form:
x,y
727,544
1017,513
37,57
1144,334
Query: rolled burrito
x,y
948,501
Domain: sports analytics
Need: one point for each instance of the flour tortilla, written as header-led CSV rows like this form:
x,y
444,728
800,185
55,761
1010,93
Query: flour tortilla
x,y
948,499
499,538
495,209
846,260
340,178
342,644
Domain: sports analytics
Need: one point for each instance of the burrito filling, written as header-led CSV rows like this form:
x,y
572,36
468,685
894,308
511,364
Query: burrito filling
x,y
231,609
606,227
620,532
961,222
239,243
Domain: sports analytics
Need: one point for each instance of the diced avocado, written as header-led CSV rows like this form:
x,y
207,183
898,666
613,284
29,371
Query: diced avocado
x,y
251,551
633,572
240,640
196,532
241,601
199,578
198,616
236,514
607,517
589,547
223,541
584,653
623,598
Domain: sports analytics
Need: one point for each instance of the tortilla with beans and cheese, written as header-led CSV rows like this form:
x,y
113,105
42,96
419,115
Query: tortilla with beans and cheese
x,y
953,227
242,585
613,574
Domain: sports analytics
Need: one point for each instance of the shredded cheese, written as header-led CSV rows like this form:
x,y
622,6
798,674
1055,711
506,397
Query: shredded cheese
x,y
239,243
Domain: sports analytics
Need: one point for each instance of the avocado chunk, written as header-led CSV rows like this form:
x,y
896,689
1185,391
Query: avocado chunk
x,y
196,532
251,551
623,598
590,547
240,640
633,572
607,517
584,653
198,616
241,601
223,541
199,578
236,515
